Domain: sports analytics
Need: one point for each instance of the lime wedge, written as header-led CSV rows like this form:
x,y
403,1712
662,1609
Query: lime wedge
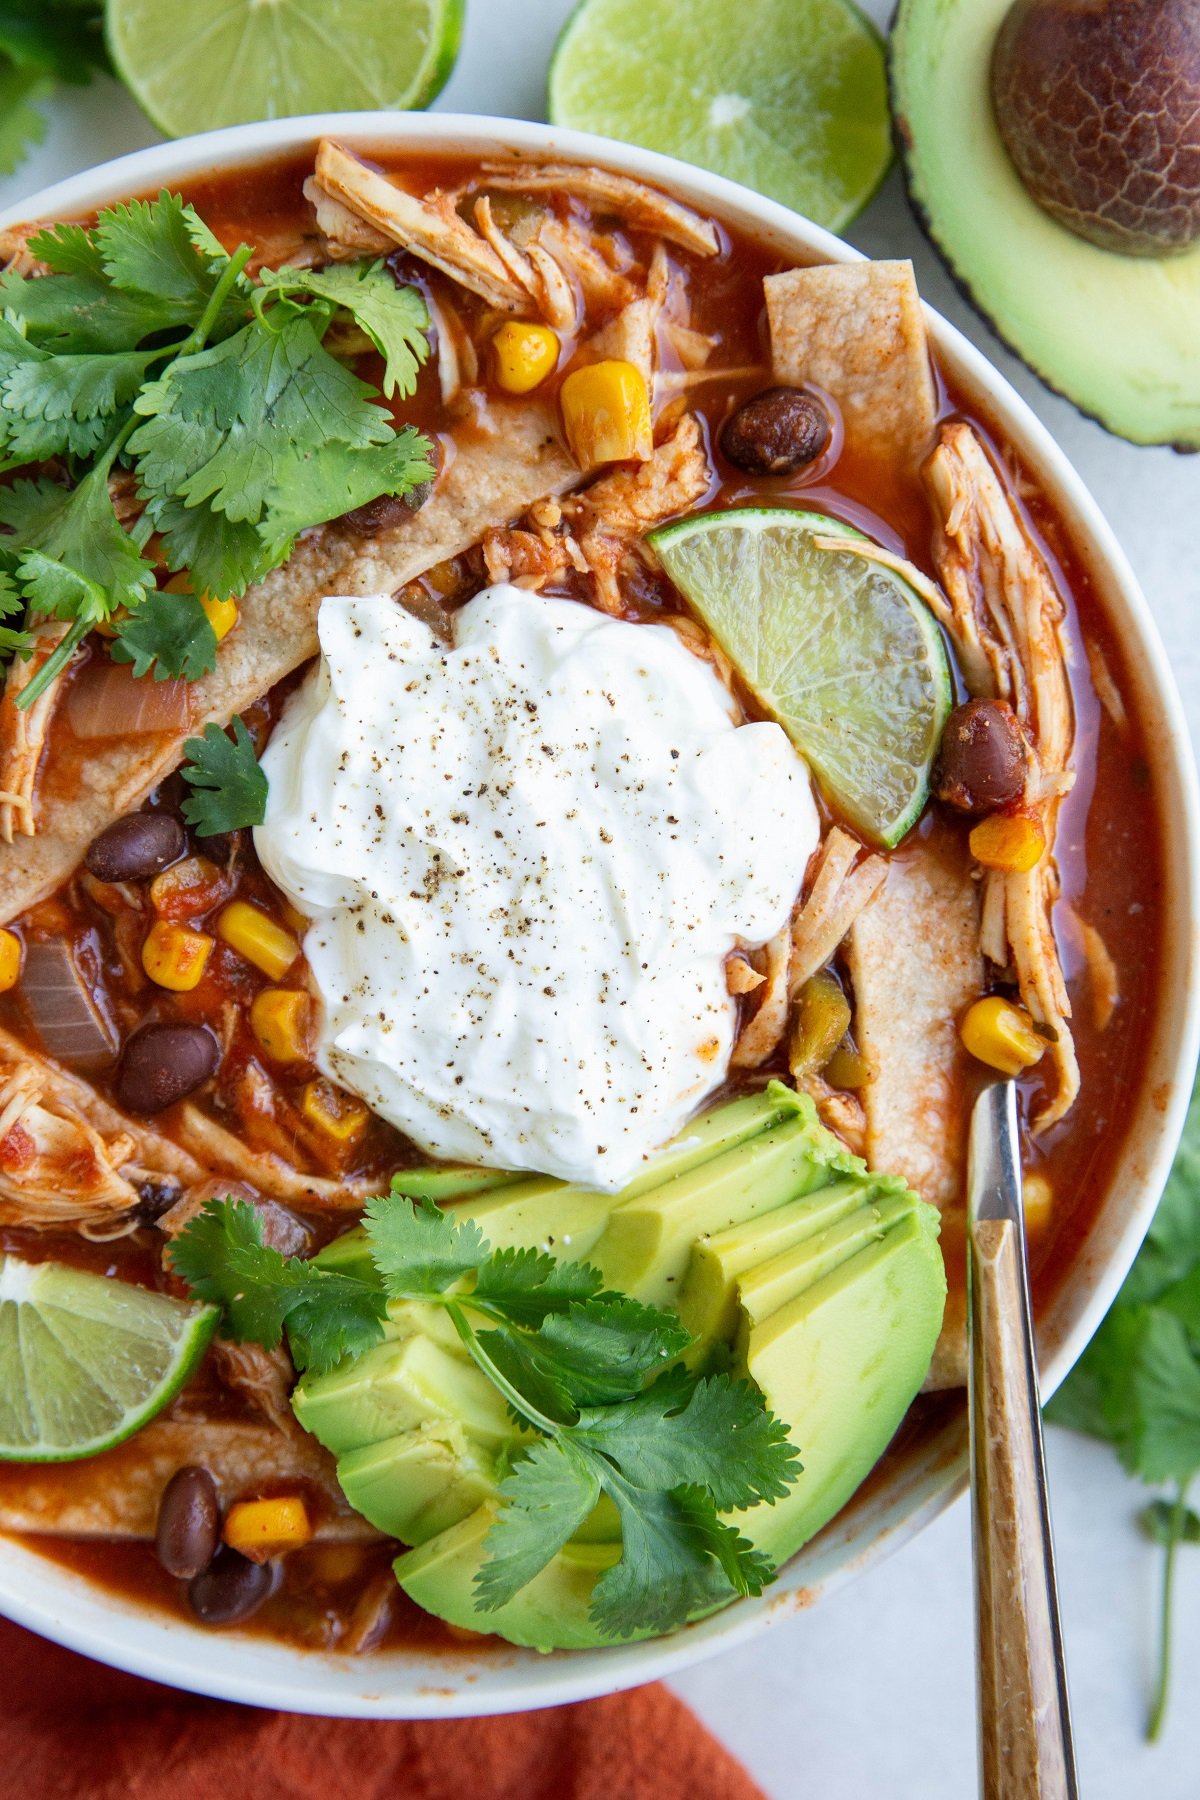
x,y
219,62
85,1359
786,96
840,650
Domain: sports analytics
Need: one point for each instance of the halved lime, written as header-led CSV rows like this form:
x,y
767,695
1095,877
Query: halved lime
x,y
85,1359
787,96
206,63
840,650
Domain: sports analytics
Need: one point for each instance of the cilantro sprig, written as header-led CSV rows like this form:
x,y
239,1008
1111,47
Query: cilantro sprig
x,y
1137,1385
42,42
229,788
147,348
593,1382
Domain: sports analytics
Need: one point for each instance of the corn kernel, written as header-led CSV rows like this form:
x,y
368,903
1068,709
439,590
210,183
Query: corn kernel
x,y
174,957
261,1529
1038,1198
1011,842
279,1020
10,960
337,1114
258,938
187,888
222,615
1001,1035
606,414
523,355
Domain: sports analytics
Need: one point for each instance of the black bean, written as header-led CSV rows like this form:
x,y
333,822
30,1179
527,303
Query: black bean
x,y
232,1589
776,433
189,1523
135,847
981,763
161,1063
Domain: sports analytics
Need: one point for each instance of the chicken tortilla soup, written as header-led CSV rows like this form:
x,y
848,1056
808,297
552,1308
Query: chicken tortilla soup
x,y
545,756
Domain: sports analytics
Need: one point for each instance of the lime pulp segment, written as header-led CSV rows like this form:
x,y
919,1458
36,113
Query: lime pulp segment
x,y
85,1359
839,649
194,67
788,97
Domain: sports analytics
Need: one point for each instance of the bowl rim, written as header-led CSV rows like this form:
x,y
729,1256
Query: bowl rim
x,y
82,1616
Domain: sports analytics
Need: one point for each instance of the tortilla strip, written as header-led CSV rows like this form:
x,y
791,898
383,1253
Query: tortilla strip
x,y
915,964
117,1494
858,331
509,459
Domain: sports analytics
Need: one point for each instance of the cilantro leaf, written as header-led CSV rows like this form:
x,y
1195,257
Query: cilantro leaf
x,y
83,312
677,1559
150,247
419,1250
528,1284
22,124
53,405
312,486
68,250
231,789
549,1494
718,1436
1158,1524
395,319
223,556
327,1315
76,529
220,424
169,633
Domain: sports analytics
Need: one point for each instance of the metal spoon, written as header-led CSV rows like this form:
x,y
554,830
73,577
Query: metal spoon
x,y
1026,1751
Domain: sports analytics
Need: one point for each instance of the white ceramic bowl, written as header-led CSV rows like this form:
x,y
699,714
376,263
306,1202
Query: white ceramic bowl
x,y
930,1471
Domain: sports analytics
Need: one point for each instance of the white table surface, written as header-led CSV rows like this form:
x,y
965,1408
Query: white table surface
x,y
870,1696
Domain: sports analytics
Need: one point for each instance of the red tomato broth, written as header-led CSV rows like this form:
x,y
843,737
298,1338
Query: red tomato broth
x,y
1111,853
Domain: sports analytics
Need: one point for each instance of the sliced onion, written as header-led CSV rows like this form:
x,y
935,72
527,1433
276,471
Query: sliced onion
x,y
64,1014
106,701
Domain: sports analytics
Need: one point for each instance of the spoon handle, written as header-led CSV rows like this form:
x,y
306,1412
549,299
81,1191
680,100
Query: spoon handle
x,y
1025,1745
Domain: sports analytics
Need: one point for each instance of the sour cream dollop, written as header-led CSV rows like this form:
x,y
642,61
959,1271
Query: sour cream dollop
x,y
526,856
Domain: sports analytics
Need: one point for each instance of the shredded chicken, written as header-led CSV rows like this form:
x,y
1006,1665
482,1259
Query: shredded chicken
x,y
838,1111
1005,616
838,893
66,1156
282,1229
741,977
346,234
641,205
429,227
263,1377
259,1169
23,734
621,507
761,1035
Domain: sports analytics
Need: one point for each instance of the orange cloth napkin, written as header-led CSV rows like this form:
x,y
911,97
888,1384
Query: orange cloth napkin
x,y
72,1728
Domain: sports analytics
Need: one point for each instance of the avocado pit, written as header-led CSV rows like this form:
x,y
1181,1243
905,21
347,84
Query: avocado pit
x,y
1098,105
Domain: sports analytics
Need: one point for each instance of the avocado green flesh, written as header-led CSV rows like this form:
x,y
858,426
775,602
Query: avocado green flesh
x,y
1116,334
708,1304
823,1282
564,1219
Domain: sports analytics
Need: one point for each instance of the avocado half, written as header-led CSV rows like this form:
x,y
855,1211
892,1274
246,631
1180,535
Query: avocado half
x,y
1117,335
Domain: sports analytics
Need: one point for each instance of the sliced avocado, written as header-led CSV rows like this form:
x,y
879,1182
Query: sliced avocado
x,y
449,1181
771,1284
708,1304
559,1217
549,1613
419,1483
1115,334
647,1245
396,1387
842,1363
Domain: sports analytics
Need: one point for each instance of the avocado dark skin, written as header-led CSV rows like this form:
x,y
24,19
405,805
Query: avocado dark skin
x,y
1098,104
